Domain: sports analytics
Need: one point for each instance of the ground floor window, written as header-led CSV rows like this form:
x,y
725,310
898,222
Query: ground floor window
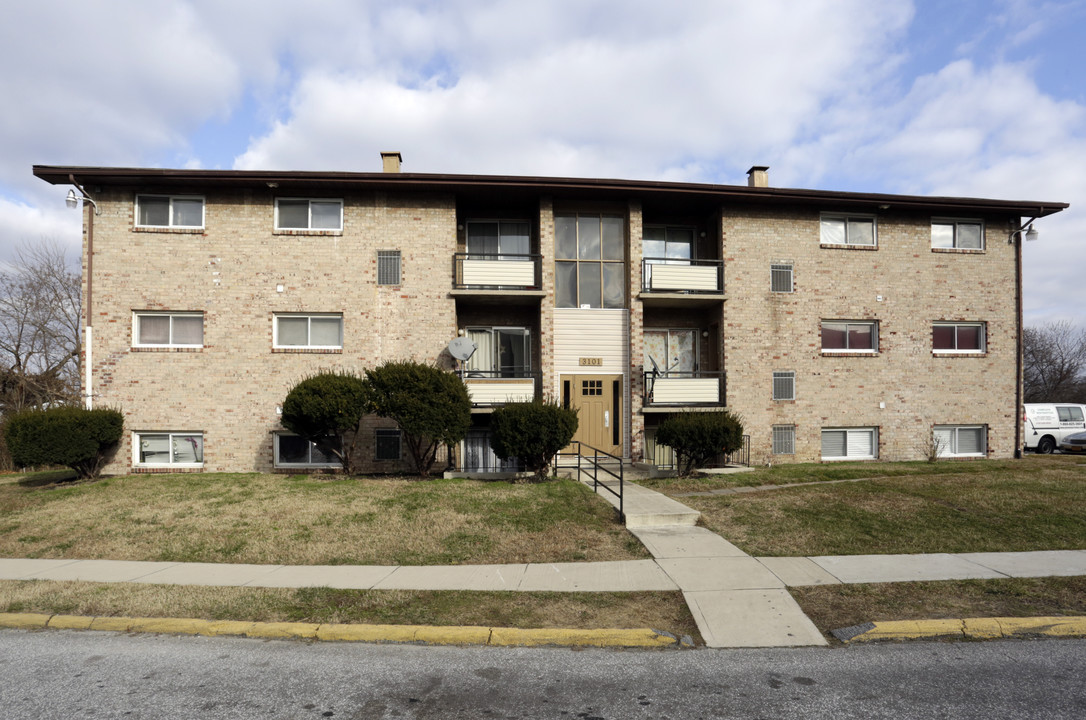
x,y
850,443
167,448
480,457
388,444
961,440
295,451
784,439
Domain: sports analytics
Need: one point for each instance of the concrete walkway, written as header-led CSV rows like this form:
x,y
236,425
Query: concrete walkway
x,y
737,600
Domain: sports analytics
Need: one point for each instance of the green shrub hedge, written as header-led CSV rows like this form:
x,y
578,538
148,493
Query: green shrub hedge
x,y
532,432
75,437
698,437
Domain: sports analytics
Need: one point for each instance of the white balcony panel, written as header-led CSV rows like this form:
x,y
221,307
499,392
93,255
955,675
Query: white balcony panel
x,y
508,273
684,277
495,392
682,391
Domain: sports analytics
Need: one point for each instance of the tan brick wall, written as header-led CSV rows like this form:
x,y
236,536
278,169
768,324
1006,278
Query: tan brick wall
x,y
231,388
767,331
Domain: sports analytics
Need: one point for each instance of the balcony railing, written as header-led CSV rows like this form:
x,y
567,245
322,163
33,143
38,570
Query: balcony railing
x,y
495,271
489,388
682,276
674,388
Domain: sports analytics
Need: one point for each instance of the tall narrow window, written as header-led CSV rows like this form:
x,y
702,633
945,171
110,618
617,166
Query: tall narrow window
x,y
784,439
590,263
388,267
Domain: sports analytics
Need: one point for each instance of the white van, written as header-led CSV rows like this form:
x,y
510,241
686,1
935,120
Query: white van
x,y
1047,424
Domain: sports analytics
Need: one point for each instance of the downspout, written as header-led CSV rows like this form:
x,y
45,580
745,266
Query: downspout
x,y
88,332
1018,409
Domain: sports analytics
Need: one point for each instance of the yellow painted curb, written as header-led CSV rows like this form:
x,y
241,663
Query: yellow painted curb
x,y
642,637
28,621
433,635
975,628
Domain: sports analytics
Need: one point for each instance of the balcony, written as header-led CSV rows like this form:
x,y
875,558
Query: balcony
x,y
501,277
667,391
491,388
687,283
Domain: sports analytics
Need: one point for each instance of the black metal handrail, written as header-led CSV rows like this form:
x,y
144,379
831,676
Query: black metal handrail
x,y
458,270
595,463
646,272
651,376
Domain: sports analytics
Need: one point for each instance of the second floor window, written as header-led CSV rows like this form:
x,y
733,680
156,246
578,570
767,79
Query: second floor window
x,y
850,336
957,234
169,211
500,352
161,329
309,331
590,267
957,337
304,214
848,230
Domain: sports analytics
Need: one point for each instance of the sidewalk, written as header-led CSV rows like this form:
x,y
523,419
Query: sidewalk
x,y
737,600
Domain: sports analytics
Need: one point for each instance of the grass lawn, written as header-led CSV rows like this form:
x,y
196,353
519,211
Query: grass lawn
x,y
307,520
658,610
1038,503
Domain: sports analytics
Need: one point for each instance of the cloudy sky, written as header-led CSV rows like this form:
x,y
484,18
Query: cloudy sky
x,y
981,98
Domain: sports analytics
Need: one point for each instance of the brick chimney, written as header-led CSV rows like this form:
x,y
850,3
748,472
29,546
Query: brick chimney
x,y
758,176
390,162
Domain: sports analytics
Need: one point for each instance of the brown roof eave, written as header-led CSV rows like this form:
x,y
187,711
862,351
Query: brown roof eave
x,y
427,182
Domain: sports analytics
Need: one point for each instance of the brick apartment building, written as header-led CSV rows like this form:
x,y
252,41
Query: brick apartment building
x,y
838,325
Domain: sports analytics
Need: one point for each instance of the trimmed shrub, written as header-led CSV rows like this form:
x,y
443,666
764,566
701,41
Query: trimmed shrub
x,y
75,437
697,437
325,409
532,432
431,406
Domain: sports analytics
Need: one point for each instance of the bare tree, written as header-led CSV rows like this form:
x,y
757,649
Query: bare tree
x,y
1054,368
39,329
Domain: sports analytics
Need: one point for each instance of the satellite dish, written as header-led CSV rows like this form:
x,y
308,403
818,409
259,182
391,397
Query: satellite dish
x,y
461,348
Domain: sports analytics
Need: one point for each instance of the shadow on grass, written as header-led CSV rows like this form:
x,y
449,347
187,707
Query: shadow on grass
x,y
46,478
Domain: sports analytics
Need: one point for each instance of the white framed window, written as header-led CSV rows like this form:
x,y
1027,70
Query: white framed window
x,y
780,277
850,443
961,440
388,267
947,337
850,336
948,233
295,451
841,229
500,352
169,211
308,214
590,261
322,332
168,449
784,385
784,439
388,444
168,329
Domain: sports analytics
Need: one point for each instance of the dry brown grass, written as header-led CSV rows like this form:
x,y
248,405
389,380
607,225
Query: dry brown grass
x,y
838,606
1033,504
659,610
300,520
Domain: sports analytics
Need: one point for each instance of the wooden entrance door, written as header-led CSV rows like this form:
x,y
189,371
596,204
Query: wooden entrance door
x,y
598,399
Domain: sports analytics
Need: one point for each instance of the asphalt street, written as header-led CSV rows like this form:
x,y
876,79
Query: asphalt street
x,y
65,674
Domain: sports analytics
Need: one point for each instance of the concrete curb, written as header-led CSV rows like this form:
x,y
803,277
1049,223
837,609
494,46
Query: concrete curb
x,y
970,629
336,632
